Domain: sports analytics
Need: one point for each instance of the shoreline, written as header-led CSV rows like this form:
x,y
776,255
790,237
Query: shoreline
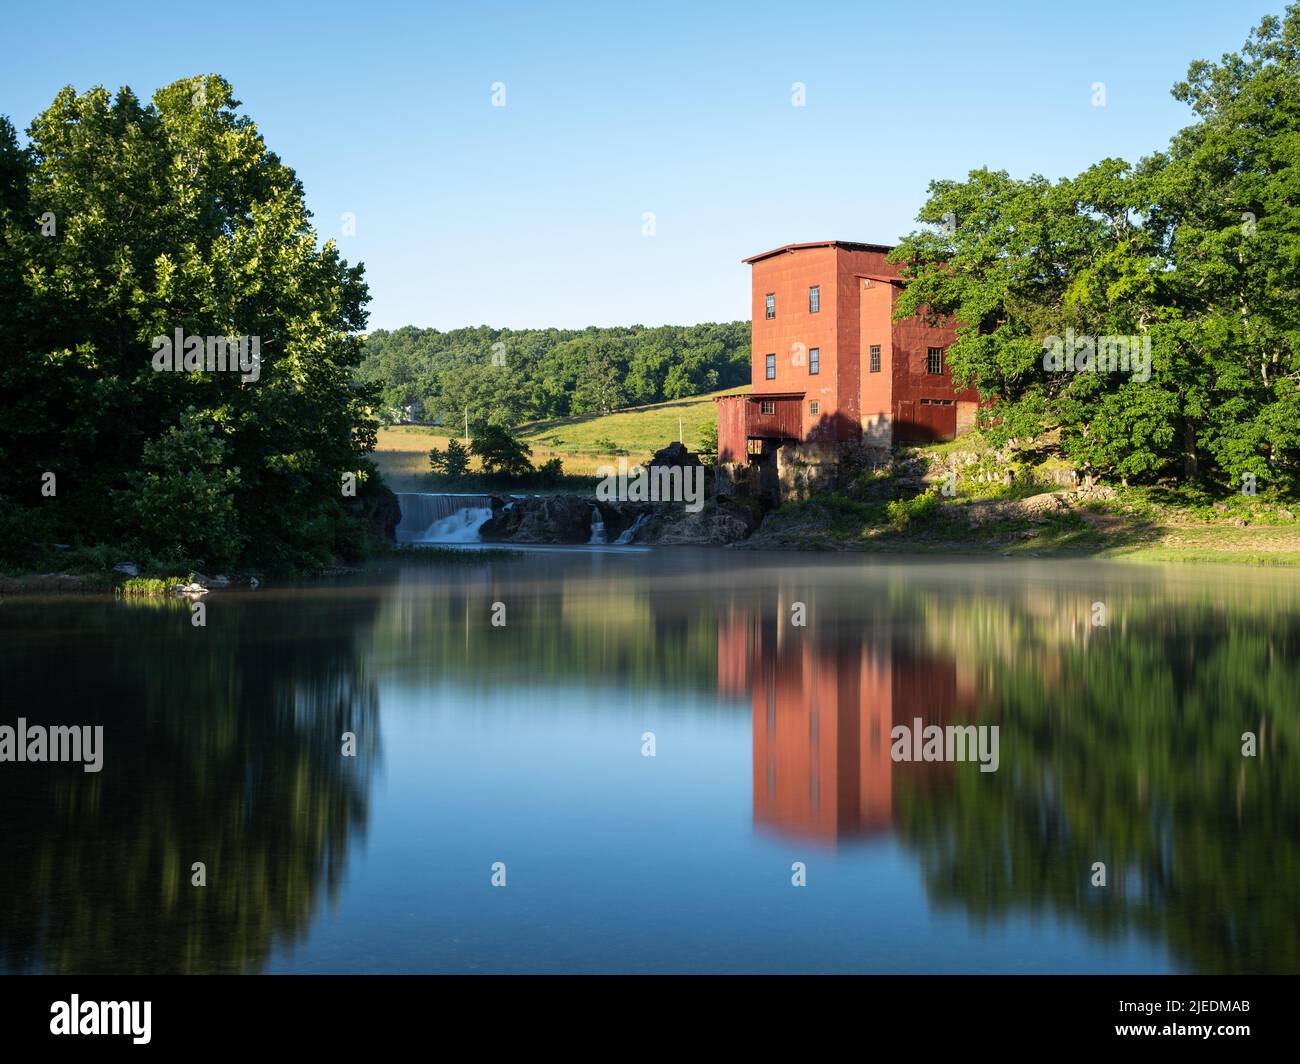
x,y
97,584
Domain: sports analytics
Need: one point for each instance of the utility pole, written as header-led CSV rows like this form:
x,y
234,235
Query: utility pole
x,y
466,426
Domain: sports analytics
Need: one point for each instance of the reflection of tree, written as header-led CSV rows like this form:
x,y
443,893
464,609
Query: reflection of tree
x,y
222,745
1123,745
579,628
1119,744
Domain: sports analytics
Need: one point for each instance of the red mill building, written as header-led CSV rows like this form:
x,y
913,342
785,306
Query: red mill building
x,y
831,367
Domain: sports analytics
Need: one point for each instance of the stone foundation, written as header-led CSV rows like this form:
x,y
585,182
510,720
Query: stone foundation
x,y
804,469
785,471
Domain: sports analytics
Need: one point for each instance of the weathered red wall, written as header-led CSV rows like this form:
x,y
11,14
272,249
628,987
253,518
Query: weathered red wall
x,y
876,306
790,275
786,421
911,340
731,427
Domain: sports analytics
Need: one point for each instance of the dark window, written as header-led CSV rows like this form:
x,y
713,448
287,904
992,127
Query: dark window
x,y
815,360
767,406
814,299
925,402
875,358
814,407
771,367
934,360
771,304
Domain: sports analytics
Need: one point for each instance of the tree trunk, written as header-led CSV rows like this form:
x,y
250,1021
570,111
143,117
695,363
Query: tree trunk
x,y
1189,449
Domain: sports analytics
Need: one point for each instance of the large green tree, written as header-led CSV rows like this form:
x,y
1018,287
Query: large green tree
x,y
175,215
1195,251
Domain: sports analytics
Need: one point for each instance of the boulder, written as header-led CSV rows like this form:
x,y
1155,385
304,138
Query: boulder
x,y
715,524
675,454
1037,509
376,507
539,519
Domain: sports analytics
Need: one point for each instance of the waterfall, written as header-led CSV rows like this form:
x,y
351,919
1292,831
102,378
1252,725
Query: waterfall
x,y
441,518
597,527
629,534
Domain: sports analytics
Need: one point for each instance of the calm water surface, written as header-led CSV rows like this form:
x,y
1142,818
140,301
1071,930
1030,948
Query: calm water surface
x,y
523,744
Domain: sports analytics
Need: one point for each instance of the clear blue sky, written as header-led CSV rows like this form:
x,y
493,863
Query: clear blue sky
x,y
531,214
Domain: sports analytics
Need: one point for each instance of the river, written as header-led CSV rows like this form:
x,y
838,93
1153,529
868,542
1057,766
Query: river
x,y
624,761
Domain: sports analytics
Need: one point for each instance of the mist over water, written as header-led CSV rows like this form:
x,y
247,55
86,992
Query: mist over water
x,y
1119,743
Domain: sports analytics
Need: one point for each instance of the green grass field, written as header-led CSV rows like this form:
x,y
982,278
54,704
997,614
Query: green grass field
x,y
582,443
637,432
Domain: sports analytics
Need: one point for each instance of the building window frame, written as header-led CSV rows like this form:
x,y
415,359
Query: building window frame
x,y
767,407
770,368
814,299
814,407
934,361
769,305
874,366
814,361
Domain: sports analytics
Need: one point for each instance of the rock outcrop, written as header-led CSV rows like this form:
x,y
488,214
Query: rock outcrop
x,y
569,519
719,522
539,519
377,507
1035,509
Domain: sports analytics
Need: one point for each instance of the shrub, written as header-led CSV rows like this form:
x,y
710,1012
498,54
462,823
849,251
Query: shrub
x,y
183,497
920,509
453,462
550,472
709,443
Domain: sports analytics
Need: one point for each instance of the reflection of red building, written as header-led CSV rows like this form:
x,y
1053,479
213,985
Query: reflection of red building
x,y
822,715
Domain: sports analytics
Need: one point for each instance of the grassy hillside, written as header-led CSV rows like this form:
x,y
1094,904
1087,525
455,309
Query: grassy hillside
x,y
637,431
582,443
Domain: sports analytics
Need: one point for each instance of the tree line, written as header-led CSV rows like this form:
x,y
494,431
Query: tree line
x,y
506,376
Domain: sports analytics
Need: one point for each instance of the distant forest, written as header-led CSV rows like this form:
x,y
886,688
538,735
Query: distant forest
x,y
503,376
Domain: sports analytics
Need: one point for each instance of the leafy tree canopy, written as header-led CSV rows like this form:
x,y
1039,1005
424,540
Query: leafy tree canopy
x,y
1192,252
121,222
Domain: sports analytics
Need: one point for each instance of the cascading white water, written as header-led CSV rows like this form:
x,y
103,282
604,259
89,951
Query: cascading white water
x,y
460,527
428,518
629,534
597,527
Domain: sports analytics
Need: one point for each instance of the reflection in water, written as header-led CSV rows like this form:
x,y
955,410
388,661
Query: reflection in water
x,y
824,706
1119,744
222,745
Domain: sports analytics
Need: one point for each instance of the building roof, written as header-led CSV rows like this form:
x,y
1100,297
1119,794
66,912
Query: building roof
x,y
847,245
